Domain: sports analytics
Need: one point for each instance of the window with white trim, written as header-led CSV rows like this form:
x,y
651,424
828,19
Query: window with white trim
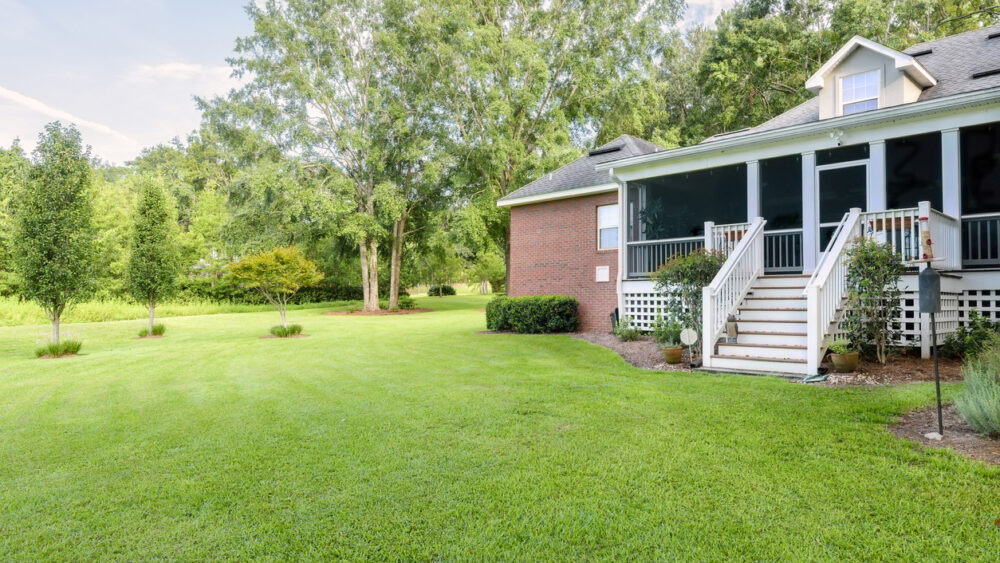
x,y
859,92
607,227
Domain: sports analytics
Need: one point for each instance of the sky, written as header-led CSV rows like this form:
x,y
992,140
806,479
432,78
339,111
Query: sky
x,y
126,71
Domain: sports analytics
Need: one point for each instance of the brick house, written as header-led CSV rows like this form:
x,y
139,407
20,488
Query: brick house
x,y
564,233
901,146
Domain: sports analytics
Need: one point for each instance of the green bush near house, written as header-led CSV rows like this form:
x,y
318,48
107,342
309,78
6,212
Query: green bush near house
x,y
666,332
972,338
625,329
534,314
681,280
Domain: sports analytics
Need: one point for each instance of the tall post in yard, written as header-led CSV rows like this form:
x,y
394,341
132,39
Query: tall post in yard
x,y
930,302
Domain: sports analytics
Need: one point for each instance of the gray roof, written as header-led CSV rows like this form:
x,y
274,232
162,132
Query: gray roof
x,y
580,173
952,62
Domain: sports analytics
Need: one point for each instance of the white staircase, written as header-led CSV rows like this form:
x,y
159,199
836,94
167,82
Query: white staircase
x,y
772,330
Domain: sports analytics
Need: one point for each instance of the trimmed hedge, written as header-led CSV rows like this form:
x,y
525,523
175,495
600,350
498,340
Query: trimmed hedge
x,y
440,290
533,315
224,290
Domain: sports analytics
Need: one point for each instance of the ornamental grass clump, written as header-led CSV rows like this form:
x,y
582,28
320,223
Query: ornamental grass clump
x,y
158,330
59,349
286,331
979,401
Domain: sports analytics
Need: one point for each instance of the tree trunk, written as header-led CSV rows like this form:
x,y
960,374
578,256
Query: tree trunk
x,y
369,273
55,328
152,305
281,311
396,261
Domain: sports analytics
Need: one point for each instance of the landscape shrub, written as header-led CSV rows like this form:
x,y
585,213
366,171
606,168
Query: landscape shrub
x,y
625,329
979,401
440,290
874,300
158,330
226,290
406,302
286,331
62,348
970,339
681,280
666,332
533,315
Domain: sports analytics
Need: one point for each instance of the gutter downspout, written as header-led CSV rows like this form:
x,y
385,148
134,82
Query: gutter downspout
x,y
622,238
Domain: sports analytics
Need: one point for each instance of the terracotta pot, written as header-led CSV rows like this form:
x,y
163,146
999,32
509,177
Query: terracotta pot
x,y
673,355
845,363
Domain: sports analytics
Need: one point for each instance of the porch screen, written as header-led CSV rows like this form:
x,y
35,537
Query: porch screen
x,y
913,171
677,206
980,156
781,192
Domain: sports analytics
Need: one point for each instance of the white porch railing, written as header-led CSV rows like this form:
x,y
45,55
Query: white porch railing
x,y
899,228
727,290
645,256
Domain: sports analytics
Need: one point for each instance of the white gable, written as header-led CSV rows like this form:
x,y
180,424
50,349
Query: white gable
x,y
902,62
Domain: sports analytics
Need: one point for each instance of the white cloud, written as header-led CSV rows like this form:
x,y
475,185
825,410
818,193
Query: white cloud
x,y
40,107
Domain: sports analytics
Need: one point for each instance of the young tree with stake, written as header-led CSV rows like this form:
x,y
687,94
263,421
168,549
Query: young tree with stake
x,y
54,239
154,258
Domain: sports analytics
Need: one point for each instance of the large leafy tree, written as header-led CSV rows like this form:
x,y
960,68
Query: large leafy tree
x,y
153,259
318,86
14,168
524,76
54,238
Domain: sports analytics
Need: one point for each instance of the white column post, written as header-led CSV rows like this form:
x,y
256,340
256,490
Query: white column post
x,y
707,322
951,174
709,239
623,234
813,331
753,190
809,213
876,176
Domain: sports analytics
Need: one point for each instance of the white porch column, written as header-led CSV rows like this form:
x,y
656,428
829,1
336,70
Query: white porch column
x,y
623,234
876,176
709,239
809,218
753,190
951,174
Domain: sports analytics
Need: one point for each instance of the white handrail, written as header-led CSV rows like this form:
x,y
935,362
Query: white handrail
x,y
730,285
946,238
827,288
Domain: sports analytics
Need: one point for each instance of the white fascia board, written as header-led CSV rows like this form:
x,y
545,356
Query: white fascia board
x,y
871,118
562,194
902,61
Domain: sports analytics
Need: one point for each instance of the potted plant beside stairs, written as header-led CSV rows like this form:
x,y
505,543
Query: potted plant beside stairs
x,y
668,335
844,356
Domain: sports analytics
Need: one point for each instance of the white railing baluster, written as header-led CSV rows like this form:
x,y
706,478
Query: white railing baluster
x,y
721,298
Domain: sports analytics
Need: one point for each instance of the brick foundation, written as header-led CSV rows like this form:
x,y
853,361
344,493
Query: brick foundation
x,y
554,252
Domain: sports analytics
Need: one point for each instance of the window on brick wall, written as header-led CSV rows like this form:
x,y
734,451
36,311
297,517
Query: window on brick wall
x,y
607,226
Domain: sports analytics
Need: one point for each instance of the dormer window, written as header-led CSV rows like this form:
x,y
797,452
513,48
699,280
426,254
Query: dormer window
x,y
859,92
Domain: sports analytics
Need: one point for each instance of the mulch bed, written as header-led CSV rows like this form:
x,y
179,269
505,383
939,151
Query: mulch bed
x,y
906,368
644,353
958,435
285,337
150,336
51,357
380,312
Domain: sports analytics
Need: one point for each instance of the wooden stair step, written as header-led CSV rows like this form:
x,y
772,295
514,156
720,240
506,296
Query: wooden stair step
x,y
761,359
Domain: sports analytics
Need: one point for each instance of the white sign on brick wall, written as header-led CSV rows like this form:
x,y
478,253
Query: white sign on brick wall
x,y
603,273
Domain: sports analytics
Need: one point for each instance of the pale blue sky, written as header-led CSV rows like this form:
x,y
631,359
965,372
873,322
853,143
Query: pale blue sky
x,y
125,71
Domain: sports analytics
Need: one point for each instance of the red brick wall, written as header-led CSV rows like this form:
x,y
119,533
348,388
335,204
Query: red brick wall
x,y
553,247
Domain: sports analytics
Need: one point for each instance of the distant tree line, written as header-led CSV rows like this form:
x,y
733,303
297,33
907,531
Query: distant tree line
x,y
377,135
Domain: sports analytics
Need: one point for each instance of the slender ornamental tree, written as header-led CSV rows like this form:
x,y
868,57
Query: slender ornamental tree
x,y
277,275
54,239
153,261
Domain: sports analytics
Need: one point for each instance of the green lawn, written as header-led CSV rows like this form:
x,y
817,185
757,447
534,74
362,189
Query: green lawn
x,y
414,438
